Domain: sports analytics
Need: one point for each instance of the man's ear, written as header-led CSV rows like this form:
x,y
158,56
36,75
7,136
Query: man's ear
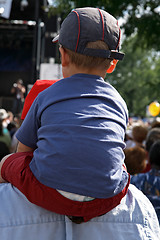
x,y
64,57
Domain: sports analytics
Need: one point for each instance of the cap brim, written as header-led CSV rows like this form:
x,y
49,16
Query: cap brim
x,y
116,55
108,54
55,39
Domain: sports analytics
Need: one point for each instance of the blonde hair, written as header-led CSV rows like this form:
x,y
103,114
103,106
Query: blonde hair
x,y
84,61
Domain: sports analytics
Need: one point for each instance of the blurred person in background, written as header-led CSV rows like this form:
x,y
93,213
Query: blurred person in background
x,y
18,90
11,124
136,135
139,133
4,133
152,136
135,159
14,141
155,122
149,182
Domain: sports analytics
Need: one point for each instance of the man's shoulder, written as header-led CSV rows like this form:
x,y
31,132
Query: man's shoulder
x,y
20,219
133,218
15,205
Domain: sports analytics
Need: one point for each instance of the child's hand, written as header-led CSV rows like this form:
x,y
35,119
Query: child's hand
x,y
1,163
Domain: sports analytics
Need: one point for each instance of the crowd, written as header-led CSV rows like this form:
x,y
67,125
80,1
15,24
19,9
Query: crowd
x,y
69,178
8,127
10,121
142,158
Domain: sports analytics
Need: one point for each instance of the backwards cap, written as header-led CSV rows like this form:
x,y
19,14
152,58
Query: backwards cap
x,y
89,24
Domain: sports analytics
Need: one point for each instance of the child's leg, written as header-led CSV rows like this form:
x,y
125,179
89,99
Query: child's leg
x,y
16,170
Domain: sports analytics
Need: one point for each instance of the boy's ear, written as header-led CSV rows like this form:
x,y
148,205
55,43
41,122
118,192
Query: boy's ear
x,y
112,66
64,57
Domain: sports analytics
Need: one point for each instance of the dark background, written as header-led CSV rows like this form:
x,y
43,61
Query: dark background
x,y
18,45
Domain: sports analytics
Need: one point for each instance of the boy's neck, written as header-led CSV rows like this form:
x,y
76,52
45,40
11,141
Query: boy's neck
x,y
69,68
75,70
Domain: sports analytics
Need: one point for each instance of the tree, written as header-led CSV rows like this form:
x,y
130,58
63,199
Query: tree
x,y
142,16
137,77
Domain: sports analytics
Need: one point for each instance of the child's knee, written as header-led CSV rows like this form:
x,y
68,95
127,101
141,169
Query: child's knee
x,y
4,158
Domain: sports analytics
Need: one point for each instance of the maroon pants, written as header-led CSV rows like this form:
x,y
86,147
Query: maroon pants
x,y
16,170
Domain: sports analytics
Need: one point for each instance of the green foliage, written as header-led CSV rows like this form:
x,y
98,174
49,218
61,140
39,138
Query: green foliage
x,y
61,7
137,77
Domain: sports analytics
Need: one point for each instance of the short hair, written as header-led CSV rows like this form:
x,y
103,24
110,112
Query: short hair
x,y
139,133
155,123
84,61
152,136
154,154
135,159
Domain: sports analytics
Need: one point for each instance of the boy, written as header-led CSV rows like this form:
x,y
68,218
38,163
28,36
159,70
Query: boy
x,y
70,151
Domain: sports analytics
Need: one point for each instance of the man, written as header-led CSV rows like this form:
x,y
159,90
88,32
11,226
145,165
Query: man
x,y
134,218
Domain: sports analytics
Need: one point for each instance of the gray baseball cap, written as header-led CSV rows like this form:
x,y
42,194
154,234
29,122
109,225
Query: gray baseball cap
x,y
83,25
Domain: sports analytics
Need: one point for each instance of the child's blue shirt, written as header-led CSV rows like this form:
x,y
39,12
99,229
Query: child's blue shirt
x,y
77,127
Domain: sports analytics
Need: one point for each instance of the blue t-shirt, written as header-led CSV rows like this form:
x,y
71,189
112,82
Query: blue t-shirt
x,y
77,128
